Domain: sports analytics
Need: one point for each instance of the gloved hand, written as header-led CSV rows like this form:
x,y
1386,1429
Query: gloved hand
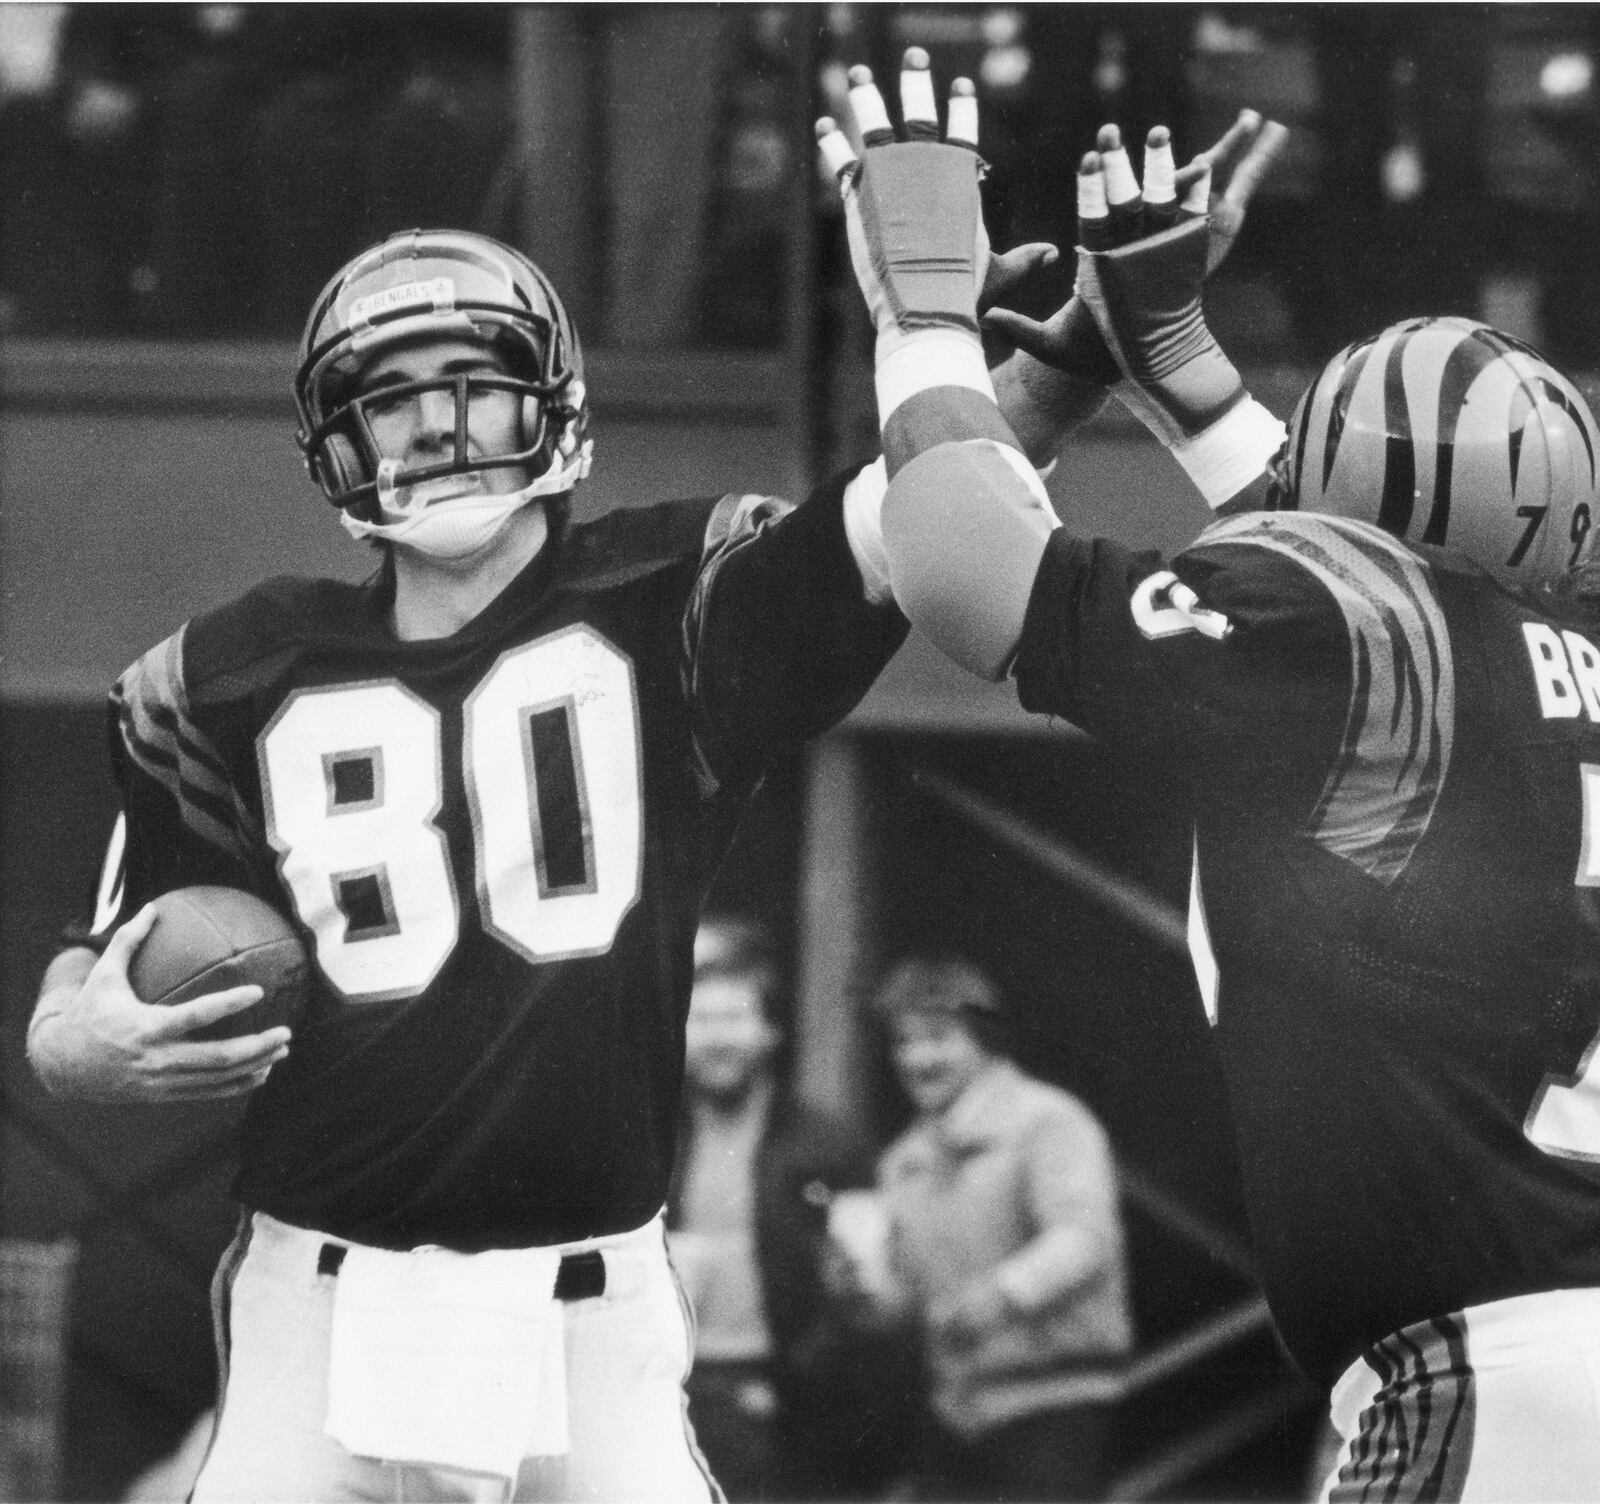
x,y
1145,299
1145,295
1113,210
915,226
921,256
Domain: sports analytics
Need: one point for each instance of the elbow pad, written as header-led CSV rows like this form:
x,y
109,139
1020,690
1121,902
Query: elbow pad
x,y
964,527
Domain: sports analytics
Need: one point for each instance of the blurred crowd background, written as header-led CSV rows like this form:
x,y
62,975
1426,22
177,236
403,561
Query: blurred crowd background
x,y
176,183
191,170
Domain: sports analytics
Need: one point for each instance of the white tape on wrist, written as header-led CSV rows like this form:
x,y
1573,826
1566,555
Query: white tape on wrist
x,y
1230,454
908,363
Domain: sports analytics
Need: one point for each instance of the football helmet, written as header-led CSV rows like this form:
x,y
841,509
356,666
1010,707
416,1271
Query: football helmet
x,y
438,282
1445,431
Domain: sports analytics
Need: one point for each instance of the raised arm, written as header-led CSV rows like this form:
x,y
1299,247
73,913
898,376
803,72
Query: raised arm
x,y
1060,371
920,254
965,520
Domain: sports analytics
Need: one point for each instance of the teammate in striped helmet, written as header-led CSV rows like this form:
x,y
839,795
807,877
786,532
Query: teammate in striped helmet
x,y
1393,763
1445,431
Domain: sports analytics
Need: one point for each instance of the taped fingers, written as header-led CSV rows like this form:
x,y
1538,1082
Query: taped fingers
x,y
1094,214
1160,178
867,106
1124,201
917,105
837,153
962,128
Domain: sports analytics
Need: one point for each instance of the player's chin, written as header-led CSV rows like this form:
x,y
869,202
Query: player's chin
x,y
504,480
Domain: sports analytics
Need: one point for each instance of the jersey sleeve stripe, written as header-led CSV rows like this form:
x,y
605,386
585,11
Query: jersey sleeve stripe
x,y
1384,785
735,520
164,743
734,523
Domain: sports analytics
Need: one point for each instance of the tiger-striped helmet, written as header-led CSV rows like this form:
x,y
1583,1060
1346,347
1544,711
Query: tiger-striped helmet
x,y
439,282
1445,431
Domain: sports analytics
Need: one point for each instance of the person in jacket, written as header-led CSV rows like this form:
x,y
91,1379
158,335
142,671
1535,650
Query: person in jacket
x,y
786,1400
1001,1245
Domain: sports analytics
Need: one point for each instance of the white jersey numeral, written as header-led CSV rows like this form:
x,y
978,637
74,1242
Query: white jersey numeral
x,y
553,775
353,782
1565,1116
1163,606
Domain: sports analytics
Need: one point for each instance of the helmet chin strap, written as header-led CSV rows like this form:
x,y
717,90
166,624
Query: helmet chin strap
x,y
456,526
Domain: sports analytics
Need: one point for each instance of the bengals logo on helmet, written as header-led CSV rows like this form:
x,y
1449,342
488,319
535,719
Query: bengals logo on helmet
x,y
1445,431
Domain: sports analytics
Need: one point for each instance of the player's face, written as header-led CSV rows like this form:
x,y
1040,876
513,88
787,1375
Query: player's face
x,y
728,1038
936,1058
419,428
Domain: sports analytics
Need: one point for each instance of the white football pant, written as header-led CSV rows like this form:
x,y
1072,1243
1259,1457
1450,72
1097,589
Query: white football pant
x,y
1498,1402
627,1352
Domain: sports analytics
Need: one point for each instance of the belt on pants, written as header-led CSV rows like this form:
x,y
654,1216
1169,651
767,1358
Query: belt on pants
x,y
581,1276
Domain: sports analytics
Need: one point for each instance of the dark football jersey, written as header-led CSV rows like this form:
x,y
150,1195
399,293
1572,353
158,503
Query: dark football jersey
x,y
1395,768
495,844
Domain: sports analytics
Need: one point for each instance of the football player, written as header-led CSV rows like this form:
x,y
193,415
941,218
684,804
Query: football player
x,y
490,785
1383,692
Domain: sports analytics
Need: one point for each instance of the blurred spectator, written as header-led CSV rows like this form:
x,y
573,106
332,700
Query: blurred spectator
x,y
782,1405
1001,1241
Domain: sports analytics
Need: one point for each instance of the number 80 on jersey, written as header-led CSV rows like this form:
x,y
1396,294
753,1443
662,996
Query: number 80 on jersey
x,y
353,782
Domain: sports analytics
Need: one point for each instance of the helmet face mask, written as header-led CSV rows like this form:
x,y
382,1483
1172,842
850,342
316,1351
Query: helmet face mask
x,y
1447,432
356,424
438,284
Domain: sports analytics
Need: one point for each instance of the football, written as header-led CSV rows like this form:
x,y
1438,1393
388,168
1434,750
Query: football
x,y
206,939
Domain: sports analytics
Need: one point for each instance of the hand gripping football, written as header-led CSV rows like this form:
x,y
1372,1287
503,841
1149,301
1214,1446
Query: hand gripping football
x,y
206,939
